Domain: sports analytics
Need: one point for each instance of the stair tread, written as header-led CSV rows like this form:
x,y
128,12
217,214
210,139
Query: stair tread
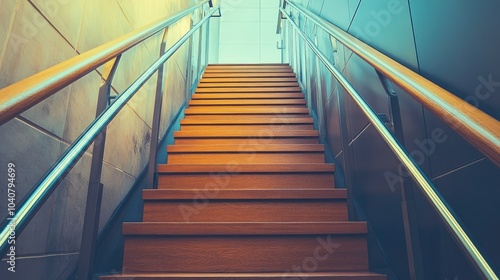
x,y
248,75
269,89
245,228
247,168
247,148
264,133
246,120
248,84
247,102
247,79
330,193
249,276
249,70
250,95
238,110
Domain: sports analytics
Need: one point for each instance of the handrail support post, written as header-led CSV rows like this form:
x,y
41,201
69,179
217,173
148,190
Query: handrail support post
x,y
94,194
414,255
155,126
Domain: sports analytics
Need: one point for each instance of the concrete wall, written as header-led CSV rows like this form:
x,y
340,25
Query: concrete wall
x,y
451,44
36,34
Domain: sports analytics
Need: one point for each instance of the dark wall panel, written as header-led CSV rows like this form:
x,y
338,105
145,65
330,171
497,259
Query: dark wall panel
x,y
365,80
473,193
451,154
388,28
337,12
458,46
380,202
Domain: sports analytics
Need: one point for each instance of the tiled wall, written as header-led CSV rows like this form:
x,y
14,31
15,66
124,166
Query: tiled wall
x,y
248,31
36,34
452,45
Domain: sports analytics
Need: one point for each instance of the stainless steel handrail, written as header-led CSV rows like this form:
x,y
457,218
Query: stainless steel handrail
x,y
51,179
408,162
20,96
478,128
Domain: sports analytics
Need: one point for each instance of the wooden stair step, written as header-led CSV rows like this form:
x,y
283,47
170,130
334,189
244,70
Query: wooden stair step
x,y
269,125
245,157
265,133
250,148
246,141
275,123
249,75
224,247
248,80
288,89
218,120
246,102
244,229
218,154
247,84
248,168
341,275
237,175
248,194
255,140
222,205
246,110
248,70
257,95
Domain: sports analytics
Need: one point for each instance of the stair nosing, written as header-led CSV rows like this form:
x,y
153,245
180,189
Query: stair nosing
x,y
243,228
246,121
247,194
244,275
245,168
253,148
264,133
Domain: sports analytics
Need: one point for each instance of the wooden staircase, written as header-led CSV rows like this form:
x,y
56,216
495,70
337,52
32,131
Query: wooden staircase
x,y
246,192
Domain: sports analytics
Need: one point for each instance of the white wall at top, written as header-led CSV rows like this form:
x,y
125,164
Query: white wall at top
x,y
248,31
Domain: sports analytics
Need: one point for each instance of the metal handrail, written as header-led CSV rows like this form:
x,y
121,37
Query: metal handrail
x,y
408,162
22,95
475,126
61,168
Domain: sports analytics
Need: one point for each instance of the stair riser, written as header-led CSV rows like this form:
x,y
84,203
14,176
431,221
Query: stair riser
x,y
201,209
248,127
236,96
191,114
248,75
234,107
246,141
222,158
248,80
277,253
332,276
246,181
246,110
248,102
266,90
